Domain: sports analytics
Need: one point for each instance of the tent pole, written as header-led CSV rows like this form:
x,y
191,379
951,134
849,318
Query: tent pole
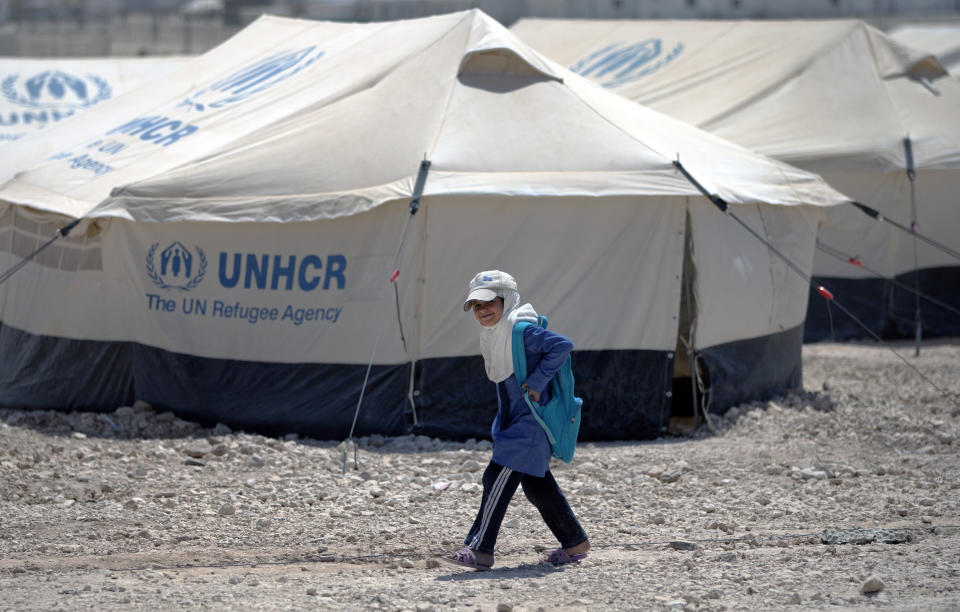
x,y
413,405
914,226
414,207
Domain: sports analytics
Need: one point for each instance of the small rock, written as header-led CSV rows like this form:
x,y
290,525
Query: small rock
x,y
433,563
235,580
131,504
795,599
682,545
226,510
263,523
873,584
671,475
312,592
810,474
471,465
221,430
503,607
197,451
142,406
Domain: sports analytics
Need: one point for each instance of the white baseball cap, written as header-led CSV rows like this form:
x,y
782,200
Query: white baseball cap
x,y
486,286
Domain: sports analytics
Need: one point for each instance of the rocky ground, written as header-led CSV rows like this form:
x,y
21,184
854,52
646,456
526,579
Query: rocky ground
x,y
845,495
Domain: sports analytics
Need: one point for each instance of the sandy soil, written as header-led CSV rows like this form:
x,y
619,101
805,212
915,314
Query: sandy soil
x,y
135,509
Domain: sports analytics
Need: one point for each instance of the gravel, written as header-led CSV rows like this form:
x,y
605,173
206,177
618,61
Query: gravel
x,y
789,502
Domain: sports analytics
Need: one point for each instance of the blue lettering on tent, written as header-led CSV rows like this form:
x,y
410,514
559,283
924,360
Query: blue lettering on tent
x,y
162,131
281,272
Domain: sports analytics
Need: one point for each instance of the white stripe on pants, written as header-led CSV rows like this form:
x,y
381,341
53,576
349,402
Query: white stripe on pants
x,y
490,506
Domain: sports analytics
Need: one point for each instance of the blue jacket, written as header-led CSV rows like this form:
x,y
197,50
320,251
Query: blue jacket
x,y
519,442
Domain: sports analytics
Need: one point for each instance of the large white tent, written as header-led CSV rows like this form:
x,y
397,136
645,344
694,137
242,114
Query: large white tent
x,y
35,93
241,217
835,97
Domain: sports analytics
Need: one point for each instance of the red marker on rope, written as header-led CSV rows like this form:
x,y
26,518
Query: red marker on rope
x,y
825,293
393,277
854,261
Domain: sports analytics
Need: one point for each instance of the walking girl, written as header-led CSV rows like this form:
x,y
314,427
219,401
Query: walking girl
x,y
521,450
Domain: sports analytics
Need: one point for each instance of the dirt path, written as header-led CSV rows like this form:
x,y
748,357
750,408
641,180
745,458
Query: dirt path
x,y
141,510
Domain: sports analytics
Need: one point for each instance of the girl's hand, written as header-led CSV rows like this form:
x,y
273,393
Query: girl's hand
x,y
533,394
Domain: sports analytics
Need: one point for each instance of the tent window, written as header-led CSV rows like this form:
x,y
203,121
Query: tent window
x,y
21,235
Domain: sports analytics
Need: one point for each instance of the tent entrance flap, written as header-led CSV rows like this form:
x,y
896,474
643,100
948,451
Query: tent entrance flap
x,y
687,391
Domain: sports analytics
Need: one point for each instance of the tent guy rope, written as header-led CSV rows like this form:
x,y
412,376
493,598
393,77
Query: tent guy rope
x,y
872,212
823,291
855,261
414,207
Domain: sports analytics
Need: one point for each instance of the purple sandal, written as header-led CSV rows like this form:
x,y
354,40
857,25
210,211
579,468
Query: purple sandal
x,y
465,558
560,557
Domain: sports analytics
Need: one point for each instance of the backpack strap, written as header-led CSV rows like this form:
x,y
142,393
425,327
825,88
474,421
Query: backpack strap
x,y
519,353
520,370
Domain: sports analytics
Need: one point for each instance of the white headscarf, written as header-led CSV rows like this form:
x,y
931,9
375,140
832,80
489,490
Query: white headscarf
x,y
496,343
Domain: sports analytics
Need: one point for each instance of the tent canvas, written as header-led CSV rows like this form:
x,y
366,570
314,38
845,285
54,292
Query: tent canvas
x,y
834,97
37,92
237,234
942,40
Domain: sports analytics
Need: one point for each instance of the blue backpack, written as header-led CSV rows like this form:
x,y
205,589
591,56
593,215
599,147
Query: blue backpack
x,y
560,418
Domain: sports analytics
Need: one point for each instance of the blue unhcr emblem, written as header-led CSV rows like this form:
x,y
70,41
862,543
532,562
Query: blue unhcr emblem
x,y
253,79
55,90
620,63
179,268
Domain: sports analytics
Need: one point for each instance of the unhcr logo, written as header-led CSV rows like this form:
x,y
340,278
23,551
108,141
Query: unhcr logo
x,y
619,63
179,267
253,79
48,96
55,90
